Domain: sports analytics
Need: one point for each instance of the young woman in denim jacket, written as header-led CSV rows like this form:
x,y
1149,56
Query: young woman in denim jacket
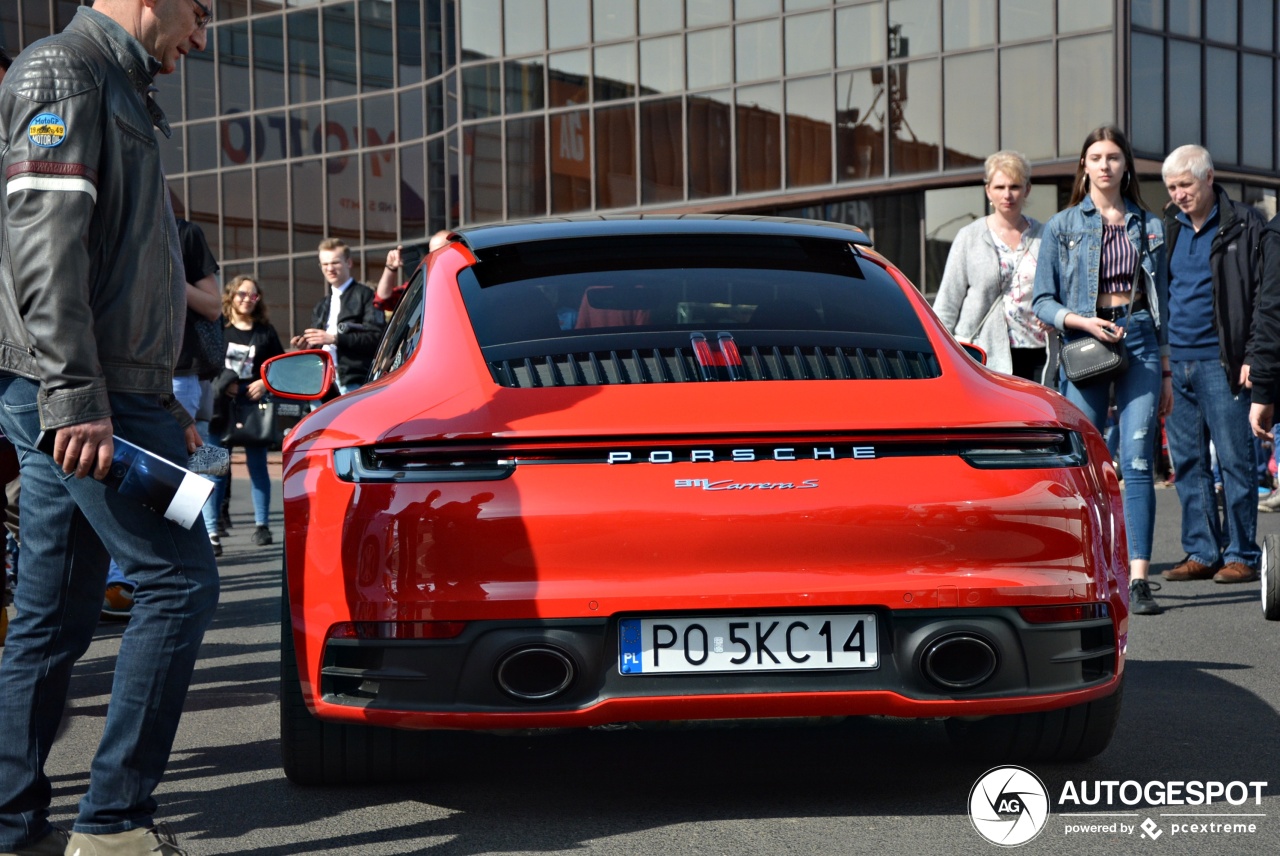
x,y
1088,258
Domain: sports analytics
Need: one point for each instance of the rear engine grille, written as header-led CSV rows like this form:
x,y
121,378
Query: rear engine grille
x,y
680,365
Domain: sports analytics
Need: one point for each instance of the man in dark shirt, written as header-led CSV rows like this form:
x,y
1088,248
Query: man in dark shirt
x,y
1214,272
345,322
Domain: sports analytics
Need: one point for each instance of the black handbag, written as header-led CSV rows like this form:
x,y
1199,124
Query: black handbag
x,y
252,423
1088,360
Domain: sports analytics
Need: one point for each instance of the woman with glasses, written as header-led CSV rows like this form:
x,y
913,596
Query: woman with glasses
x,y
250,341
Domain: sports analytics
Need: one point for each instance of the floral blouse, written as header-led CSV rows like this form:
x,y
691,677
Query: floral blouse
x,y
1018,279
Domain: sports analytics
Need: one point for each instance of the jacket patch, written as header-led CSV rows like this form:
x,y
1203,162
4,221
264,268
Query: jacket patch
x,y
47,130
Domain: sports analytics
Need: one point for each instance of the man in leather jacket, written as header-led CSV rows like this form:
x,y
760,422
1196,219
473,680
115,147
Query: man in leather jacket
x,y
92,304
345,322
1214,271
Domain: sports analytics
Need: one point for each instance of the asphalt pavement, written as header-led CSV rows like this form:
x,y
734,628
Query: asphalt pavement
x,y
1201,704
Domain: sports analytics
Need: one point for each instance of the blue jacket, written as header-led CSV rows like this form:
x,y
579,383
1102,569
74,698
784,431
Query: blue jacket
x,y
1070,252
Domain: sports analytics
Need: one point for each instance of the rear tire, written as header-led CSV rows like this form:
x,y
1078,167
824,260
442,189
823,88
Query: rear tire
x,y
1068,734
1270,572
314,752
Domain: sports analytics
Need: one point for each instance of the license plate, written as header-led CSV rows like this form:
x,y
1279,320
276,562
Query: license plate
x,y
769,643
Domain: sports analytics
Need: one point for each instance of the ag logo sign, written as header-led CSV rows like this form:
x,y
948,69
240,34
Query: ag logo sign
x,y
1008,806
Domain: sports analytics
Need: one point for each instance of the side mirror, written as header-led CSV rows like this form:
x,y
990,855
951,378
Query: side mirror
x,y
302,374
975,352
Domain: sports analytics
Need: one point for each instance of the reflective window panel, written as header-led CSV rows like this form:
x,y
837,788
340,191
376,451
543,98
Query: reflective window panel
x,y
1026,115
303,31
758,50
915,133
1086,83
1222,122
662,150
524,26
237,214
1257,27
1257,114
660,16
567,77
968,24
759,137
710,58
526,167
661,64
339,50
913,27
268,62
1147,86
1027,19
413,191
1184,78
809,44
570,161
810,116
308,206
482,172
524,87
568,23
1080,15
615,152
860,35
481,29
273,210
615,72
860,126
377,60
969,104
343,197
613,19
709,133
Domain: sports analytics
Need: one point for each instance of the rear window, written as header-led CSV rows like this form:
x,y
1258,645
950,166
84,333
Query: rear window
x,y
640,293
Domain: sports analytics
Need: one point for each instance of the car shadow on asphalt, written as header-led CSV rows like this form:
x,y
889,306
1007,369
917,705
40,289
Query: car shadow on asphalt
x,y
563,791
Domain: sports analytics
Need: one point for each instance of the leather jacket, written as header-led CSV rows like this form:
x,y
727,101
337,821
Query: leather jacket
x,y
360,329
92,291
1071,252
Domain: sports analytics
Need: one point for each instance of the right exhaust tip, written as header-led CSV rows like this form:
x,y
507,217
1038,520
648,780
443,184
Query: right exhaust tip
x,y
535,672
959,661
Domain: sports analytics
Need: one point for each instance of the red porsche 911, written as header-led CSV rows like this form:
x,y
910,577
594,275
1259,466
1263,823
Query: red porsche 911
x,y
625,471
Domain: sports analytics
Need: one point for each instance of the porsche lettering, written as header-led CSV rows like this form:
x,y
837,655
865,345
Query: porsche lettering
x,y
741,455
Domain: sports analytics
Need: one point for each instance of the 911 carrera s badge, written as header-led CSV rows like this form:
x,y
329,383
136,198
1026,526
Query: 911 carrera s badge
x,y
47,130
730,484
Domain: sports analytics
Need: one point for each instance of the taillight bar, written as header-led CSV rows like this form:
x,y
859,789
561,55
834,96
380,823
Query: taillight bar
x,y
1064,614
397,630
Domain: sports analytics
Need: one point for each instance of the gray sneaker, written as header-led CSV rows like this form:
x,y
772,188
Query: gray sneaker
x,y
1271,502
133,842
210,460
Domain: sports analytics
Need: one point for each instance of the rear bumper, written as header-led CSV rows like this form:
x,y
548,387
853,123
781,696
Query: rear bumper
x,y
466,682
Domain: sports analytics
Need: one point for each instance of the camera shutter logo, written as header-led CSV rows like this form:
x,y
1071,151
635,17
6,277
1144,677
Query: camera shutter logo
x,y
1008,806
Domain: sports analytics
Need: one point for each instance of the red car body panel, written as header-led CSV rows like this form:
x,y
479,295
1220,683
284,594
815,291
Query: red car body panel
x,y
923,534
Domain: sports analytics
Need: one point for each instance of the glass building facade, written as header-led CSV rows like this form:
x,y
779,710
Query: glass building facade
x,y
381,122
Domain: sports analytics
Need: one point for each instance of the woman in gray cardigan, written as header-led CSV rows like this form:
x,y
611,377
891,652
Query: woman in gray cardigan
x,y
985,295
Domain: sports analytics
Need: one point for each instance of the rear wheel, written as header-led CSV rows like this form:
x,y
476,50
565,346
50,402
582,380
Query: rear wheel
x,y
1068,734
1271,577
314,752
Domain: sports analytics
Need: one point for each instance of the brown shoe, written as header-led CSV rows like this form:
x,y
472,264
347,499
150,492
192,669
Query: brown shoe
x,y
1236,572
1189,569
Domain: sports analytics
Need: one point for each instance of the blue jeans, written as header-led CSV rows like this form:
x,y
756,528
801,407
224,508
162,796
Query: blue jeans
x,y
69,526
255,458
1137,396
1204,409
186,388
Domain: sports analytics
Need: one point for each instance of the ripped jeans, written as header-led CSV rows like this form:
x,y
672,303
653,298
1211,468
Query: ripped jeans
x,y
1137,394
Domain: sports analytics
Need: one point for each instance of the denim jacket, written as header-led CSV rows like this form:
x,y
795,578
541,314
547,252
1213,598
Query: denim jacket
x,y
1070,253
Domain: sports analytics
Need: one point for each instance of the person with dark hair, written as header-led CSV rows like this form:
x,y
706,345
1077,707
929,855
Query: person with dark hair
x,y
93,274
1103,273
1214,270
